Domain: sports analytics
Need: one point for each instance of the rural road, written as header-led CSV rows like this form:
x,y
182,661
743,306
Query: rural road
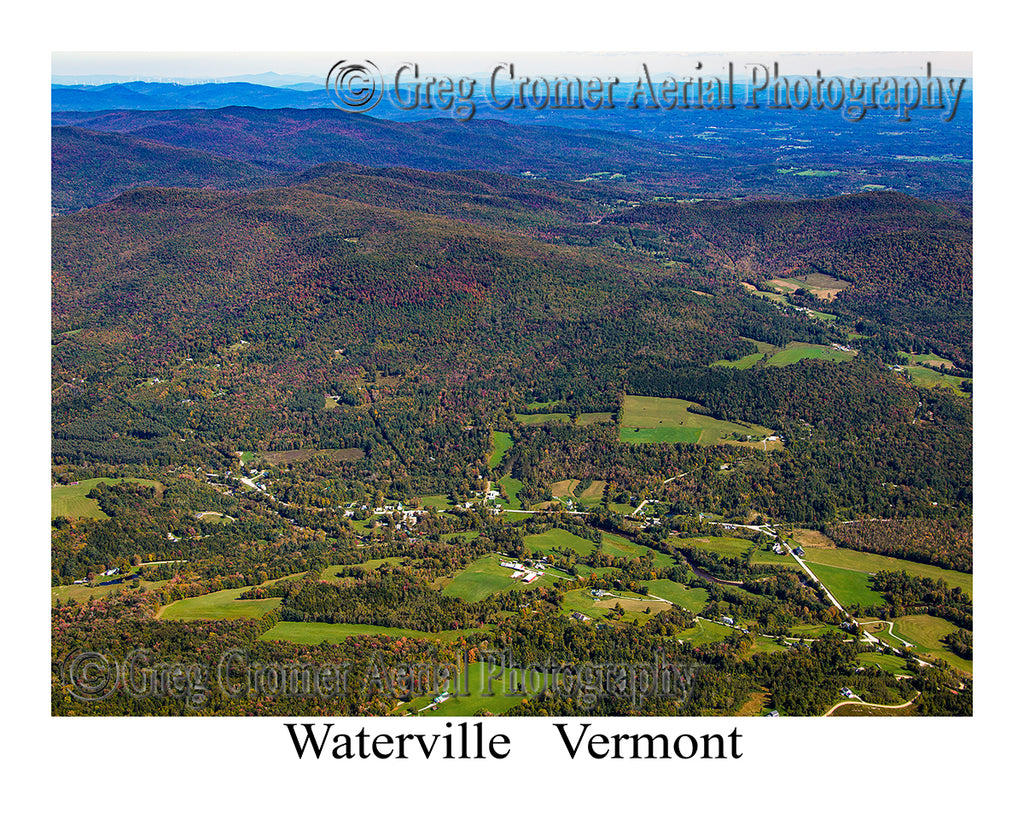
x,y
813,577
859,701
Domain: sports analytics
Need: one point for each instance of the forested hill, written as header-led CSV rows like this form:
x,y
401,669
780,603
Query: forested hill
x,y
410,240
280,142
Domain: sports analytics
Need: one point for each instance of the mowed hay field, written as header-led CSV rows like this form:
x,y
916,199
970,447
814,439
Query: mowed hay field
x,y
799,350
512,486
485,576
647,420
221,605
924,377
869,563
724,546
592,494
598,608
618,546
850,588
748,361
559,540
784,356
926,633
502,444
705,632
692,600
734,547
820,284
71,501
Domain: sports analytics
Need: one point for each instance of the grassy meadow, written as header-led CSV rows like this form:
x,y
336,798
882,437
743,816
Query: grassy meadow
x,y
670,420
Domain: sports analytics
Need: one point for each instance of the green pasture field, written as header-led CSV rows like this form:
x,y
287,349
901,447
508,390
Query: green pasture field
x,y
850,588
557,540
766,645
313,634
437,501
924,377
733,547
744,363
926,633
889,663
494,690
564,489
542,418
813,282
364,526
330,574
692,600
655,420
485,576
621,508
502,444
221,605
869,562
583,570
768,557
515,514
592,494
597,609
512,486
81,594
809,172
814,630
926,358
618,546
71,501
798,350
215,517
705,632
724,546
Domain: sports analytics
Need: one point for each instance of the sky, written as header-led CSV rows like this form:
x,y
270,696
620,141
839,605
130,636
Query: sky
x,y
313,65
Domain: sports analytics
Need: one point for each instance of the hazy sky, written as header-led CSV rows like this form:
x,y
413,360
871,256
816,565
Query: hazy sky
x,y
314,65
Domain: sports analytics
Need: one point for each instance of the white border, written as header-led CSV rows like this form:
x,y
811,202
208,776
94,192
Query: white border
x,y
840,767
